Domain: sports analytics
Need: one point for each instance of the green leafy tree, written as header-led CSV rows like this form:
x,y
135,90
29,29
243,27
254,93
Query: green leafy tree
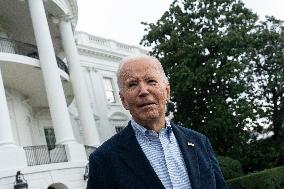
x,y
203,48
268,68
267,93
231,168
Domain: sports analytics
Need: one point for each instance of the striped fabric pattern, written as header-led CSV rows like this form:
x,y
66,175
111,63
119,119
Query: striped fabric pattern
x,y
164,155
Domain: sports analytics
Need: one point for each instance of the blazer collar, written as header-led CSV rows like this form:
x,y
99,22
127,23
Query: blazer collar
x,y
132,155
188,148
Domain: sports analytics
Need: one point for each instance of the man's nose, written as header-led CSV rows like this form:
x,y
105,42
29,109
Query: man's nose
x,y
143,90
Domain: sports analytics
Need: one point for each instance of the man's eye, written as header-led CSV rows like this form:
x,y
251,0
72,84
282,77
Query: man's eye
x,y
152,81
131,84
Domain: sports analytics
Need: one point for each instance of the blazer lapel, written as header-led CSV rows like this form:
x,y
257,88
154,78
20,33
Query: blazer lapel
x,y
132,155
188,149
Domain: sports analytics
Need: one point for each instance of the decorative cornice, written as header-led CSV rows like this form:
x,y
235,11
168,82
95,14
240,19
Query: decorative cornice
x,y
70,9
98,53
74,9
107,48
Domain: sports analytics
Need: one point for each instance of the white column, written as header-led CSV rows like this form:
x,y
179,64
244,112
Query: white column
x,y
55,94
12,156
91,136
6,133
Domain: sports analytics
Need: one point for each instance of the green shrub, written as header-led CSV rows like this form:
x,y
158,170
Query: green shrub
x,y
231,168
267,179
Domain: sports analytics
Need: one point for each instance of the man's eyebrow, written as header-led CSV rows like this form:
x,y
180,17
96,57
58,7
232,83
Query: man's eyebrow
x,y
149,77
131,80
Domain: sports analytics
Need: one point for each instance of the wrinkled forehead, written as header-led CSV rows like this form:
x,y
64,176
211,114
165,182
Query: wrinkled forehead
x,y
139,68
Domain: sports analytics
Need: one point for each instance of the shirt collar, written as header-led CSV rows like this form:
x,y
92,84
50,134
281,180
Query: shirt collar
x,y
139,129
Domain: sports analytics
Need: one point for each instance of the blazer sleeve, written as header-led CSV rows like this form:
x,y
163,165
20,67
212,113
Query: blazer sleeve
x,y
219,179
100,174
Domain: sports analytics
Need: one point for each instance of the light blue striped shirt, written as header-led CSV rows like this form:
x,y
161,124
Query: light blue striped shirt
x,y
164,155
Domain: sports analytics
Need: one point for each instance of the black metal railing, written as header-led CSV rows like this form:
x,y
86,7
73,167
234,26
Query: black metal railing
x,y
43,154
89,150
17,47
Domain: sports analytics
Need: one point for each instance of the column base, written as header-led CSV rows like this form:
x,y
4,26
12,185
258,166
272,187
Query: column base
x,y
76,152
67,141
92,141
12,157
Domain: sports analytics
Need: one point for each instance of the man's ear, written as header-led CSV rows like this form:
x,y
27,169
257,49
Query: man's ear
x,y
124,103
168,91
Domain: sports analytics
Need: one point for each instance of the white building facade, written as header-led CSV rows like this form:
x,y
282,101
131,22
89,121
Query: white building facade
x,y
100,59
58,94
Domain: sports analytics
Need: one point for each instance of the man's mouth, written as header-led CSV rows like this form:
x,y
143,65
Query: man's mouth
x,y
146,104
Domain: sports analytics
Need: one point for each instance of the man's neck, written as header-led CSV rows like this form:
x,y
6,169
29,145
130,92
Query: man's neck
x,y
155,125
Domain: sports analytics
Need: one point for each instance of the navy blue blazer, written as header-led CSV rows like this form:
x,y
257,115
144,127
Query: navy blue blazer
x,y
121,163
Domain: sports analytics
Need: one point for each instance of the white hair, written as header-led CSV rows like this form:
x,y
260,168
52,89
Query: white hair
x,y
137,57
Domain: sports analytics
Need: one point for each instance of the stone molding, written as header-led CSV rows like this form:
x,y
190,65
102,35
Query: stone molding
x,y
106,48
99,53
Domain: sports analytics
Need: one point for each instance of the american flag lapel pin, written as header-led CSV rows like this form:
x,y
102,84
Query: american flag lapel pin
x,y
190,144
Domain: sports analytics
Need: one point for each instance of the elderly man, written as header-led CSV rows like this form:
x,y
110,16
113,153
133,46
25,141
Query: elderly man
x,y
151,152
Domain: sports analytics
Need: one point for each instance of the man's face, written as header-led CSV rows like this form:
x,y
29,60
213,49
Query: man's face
x,y
143,91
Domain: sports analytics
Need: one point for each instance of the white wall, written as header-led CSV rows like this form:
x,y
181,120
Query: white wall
x,y
21,117
100,58
94,70
28,123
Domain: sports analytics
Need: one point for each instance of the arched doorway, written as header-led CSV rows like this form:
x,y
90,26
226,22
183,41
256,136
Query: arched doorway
x,y
57,186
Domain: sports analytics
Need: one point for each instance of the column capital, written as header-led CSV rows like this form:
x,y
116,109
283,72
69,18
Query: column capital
x,y
89,69
59,19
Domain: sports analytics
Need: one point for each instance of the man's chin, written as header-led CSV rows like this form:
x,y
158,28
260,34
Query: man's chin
x,y
147,118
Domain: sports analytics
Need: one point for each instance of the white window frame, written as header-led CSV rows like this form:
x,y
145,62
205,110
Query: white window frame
x,y
109,89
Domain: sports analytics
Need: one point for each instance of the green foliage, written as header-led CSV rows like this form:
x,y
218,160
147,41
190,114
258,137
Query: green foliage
x,y
263,154
202,46
227,75
267,179
267,65
231,168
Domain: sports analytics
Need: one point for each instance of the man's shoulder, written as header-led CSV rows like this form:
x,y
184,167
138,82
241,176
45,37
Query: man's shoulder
x,y
110,146
189,132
